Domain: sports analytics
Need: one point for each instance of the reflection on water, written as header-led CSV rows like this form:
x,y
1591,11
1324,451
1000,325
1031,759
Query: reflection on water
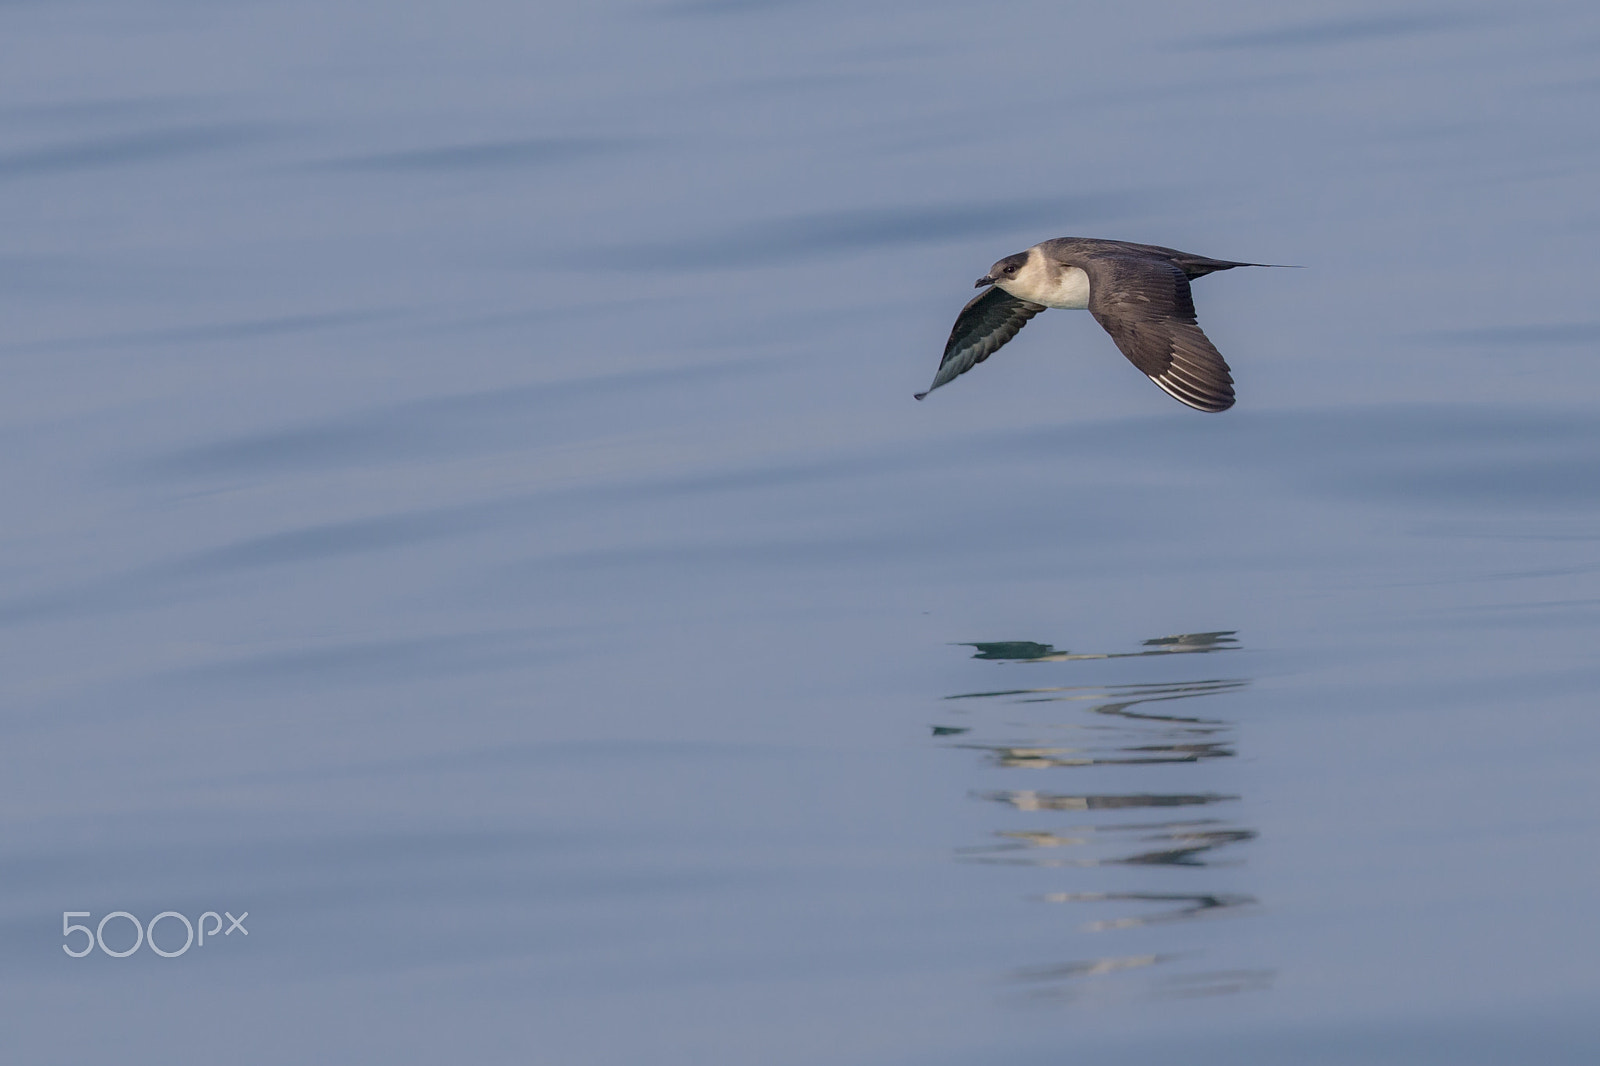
x,y
1185,844
1178,907
1167,738
1060,982
1026,651
1029,800
1126,729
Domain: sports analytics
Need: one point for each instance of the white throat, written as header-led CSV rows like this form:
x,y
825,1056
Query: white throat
x,y
1065,287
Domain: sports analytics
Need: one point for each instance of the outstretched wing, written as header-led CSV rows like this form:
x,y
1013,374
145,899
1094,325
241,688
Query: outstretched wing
x,y
987,322
1146,307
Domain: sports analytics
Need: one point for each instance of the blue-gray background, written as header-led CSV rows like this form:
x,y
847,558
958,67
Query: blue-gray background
x,y
464,505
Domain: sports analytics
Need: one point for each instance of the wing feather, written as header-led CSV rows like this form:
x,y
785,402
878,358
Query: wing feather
x,y
1146,306
983,327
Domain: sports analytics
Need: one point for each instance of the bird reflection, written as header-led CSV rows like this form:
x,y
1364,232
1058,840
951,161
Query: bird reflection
x,y
1029,800
1065,981
1190,906
1089,967
1040,758
1124,696
1127,729
1184,844
1175,734
1027,651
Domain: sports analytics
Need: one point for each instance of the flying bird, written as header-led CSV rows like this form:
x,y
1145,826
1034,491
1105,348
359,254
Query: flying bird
x,y
1138,292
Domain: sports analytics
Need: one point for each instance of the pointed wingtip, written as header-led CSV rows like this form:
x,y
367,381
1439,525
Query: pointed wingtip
x,y
919,395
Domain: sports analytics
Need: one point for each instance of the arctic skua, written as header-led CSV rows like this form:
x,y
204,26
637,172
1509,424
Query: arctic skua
x,y
1138,292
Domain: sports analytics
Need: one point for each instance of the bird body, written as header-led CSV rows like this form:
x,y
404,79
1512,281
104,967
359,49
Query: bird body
x,y
1138,292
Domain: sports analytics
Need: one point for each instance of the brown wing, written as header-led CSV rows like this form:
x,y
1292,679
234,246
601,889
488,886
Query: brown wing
x,y
1146,307
984,325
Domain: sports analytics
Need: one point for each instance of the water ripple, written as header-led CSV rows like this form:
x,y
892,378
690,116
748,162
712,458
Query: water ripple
x,y
1132,745
110,151
482,155
431,428
830,232
1322,33
242,329
1552,334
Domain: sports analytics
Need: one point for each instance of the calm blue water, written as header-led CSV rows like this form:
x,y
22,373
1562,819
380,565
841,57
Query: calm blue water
x,y
465,508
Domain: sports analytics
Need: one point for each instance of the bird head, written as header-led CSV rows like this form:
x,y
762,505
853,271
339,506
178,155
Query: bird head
x,y
1005,270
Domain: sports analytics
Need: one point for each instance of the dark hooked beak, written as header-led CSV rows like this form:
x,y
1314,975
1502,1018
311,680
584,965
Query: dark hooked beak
x,y
987,279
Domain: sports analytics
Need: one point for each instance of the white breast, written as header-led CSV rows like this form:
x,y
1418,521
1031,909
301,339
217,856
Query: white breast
x,y
1063,287
1071,290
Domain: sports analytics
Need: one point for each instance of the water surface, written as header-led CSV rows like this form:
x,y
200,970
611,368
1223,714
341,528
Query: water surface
x,y
466,509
